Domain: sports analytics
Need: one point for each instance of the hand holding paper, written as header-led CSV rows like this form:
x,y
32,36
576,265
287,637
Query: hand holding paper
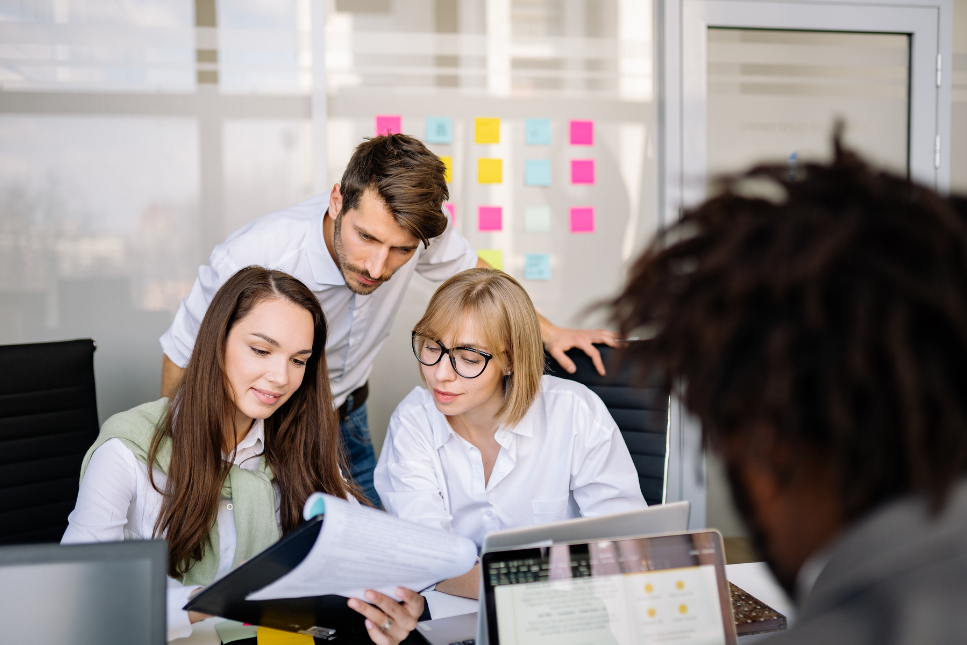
x,y
361,548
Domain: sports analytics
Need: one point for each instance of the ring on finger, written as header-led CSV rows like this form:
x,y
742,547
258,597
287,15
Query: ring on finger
x,y
389,623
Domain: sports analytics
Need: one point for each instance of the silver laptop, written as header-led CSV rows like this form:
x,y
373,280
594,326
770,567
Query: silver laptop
x,y
649,589
84,594
664,518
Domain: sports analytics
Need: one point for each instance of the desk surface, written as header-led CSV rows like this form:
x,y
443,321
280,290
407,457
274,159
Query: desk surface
x,y
753,577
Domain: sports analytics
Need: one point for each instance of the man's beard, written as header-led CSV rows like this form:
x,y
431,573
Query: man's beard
x,y
347,267
740,497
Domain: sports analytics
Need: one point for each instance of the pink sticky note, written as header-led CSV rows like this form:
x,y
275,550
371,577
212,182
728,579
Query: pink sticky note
x,y
452,211
582,133
582,171
582,219
490,218
388,124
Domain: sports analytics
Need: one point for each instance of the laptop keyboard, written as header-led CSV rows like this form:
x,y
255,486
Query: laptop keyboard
x,y
469,641
526,570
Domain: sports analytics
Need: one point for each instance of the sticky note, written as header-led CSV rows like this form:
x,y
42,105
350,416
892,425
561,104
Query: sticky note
x,y
452,210
582,171
492,257
486,130
490,171
537,266
268,636
537,172
448,173
490,218
388,124
537,132
582,219
537,219
439,129
230,631
582,133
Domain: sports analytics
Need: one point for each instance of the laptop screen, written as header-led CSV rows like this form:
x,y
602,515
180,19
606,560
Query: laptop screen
x,y
663,589
91,594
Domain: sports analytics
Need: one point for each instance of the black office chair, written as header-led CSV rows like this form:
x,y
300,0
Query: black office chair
x,y
638,406
48,420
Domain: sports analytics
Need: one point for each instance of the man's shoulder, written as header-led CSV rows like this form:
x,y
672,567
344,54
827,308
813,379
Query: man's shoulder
x,y
272,238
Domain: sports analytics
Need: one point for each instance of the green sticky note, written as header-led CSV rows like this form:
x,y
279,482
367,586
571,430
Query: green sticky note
x,y
537,219
230,631
492,257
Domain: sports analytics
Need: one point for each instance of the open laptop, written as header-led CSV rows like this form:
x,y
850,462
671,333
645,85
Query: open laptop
x,y
85,594
651,589
664,518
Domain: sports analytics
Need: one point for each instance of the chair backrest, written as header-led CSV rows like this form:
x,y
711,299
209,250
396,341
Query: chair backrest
x,y
48,420
638,407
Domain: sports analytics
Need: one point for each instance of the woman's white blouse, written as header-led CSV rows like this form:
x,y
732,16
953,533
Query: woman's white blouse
x,y
116,502
565,459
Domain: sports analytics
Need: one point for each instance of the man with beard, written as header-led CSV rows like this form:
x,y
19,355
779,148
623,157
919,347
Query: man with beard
x,y
384,219
820,335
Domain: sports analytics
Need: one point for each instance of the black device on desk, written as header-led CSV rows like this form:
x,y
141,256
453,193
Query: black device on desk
x,y
328,618
111,593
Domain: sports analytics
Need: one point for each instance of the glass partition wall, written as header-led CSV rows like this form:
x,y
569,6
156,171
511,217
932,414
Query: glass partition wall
x,y
136,136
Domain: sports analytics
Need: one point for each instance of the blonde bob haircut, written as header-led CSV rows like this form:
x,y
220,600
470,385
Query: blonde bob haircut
x,y
507,323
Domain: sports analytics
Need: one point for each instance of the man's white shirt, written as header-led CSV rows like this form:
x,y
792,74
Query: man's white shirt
x,y
291,240
566,458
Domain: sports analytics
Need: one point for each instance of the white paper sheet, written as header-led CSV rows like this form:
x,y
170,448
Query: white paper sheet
x,y
361,548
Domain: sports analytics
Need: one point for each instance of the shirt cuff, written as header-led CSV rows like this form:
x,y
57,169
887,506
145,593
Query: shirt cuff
x,y
179,625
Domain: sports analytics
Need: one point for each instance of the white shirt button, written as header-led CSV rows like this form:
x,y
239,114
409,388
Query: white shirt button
x,y
229,507
232,550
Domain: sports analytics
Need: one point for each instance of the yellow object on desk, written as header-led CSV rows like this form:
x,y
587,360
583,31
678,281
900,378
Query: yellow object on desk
x,y
268,636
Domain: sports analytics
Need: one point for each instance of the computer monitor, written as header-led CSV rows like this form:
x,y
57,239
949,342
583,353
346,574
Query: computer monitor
x,y
84,594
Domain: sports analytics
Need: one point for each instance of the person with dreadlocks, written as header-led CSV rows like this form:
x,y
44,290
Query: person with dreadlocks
x,y
821,338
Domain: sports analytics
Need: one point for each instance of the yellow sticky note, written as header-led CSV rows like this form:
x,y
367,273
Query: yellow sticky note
x,y
486,130
492,257
266,636
490,171
448,173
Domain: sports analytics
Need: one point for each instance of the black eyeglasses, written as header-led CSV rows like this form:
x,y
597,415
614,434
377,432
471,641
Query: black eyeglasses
x,y
466,361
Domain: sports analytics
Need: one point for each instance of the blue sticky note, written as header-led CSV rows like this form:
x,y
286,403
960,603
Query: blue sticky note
x,y
439,129
537,266
537,172
537,132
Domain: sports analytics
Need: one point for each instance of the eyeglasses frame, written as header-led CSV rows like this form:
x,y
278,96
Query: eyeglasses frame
x,y
449,352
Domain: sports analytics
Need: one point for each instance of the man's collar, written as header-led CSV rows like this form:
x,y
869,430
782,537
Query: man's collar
x,y
324,269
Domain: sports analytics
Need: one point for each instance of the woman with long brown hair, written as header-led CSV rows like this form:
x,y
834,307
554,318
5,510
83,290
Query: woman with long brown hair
x,y
249,435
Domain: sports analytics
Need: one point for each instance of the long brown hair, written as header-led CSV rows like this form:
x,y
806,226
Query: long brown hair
x,y
302,445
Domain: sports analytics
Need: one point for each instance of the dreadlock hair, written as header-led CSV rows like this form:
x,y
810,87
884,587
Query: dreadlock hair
x,y
836,314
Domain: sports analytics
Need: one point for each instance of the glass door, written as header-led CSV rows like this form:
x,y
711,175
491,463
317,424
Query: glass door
x,y
776,94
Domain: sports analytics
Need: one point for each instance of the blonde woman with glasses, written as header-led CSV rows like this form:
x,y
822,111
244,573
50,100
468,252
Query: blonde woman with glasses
x,y
491,443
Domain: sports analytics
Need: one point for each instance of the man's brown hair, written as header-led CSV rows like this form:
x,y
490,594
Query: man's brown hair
x,y
406,176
